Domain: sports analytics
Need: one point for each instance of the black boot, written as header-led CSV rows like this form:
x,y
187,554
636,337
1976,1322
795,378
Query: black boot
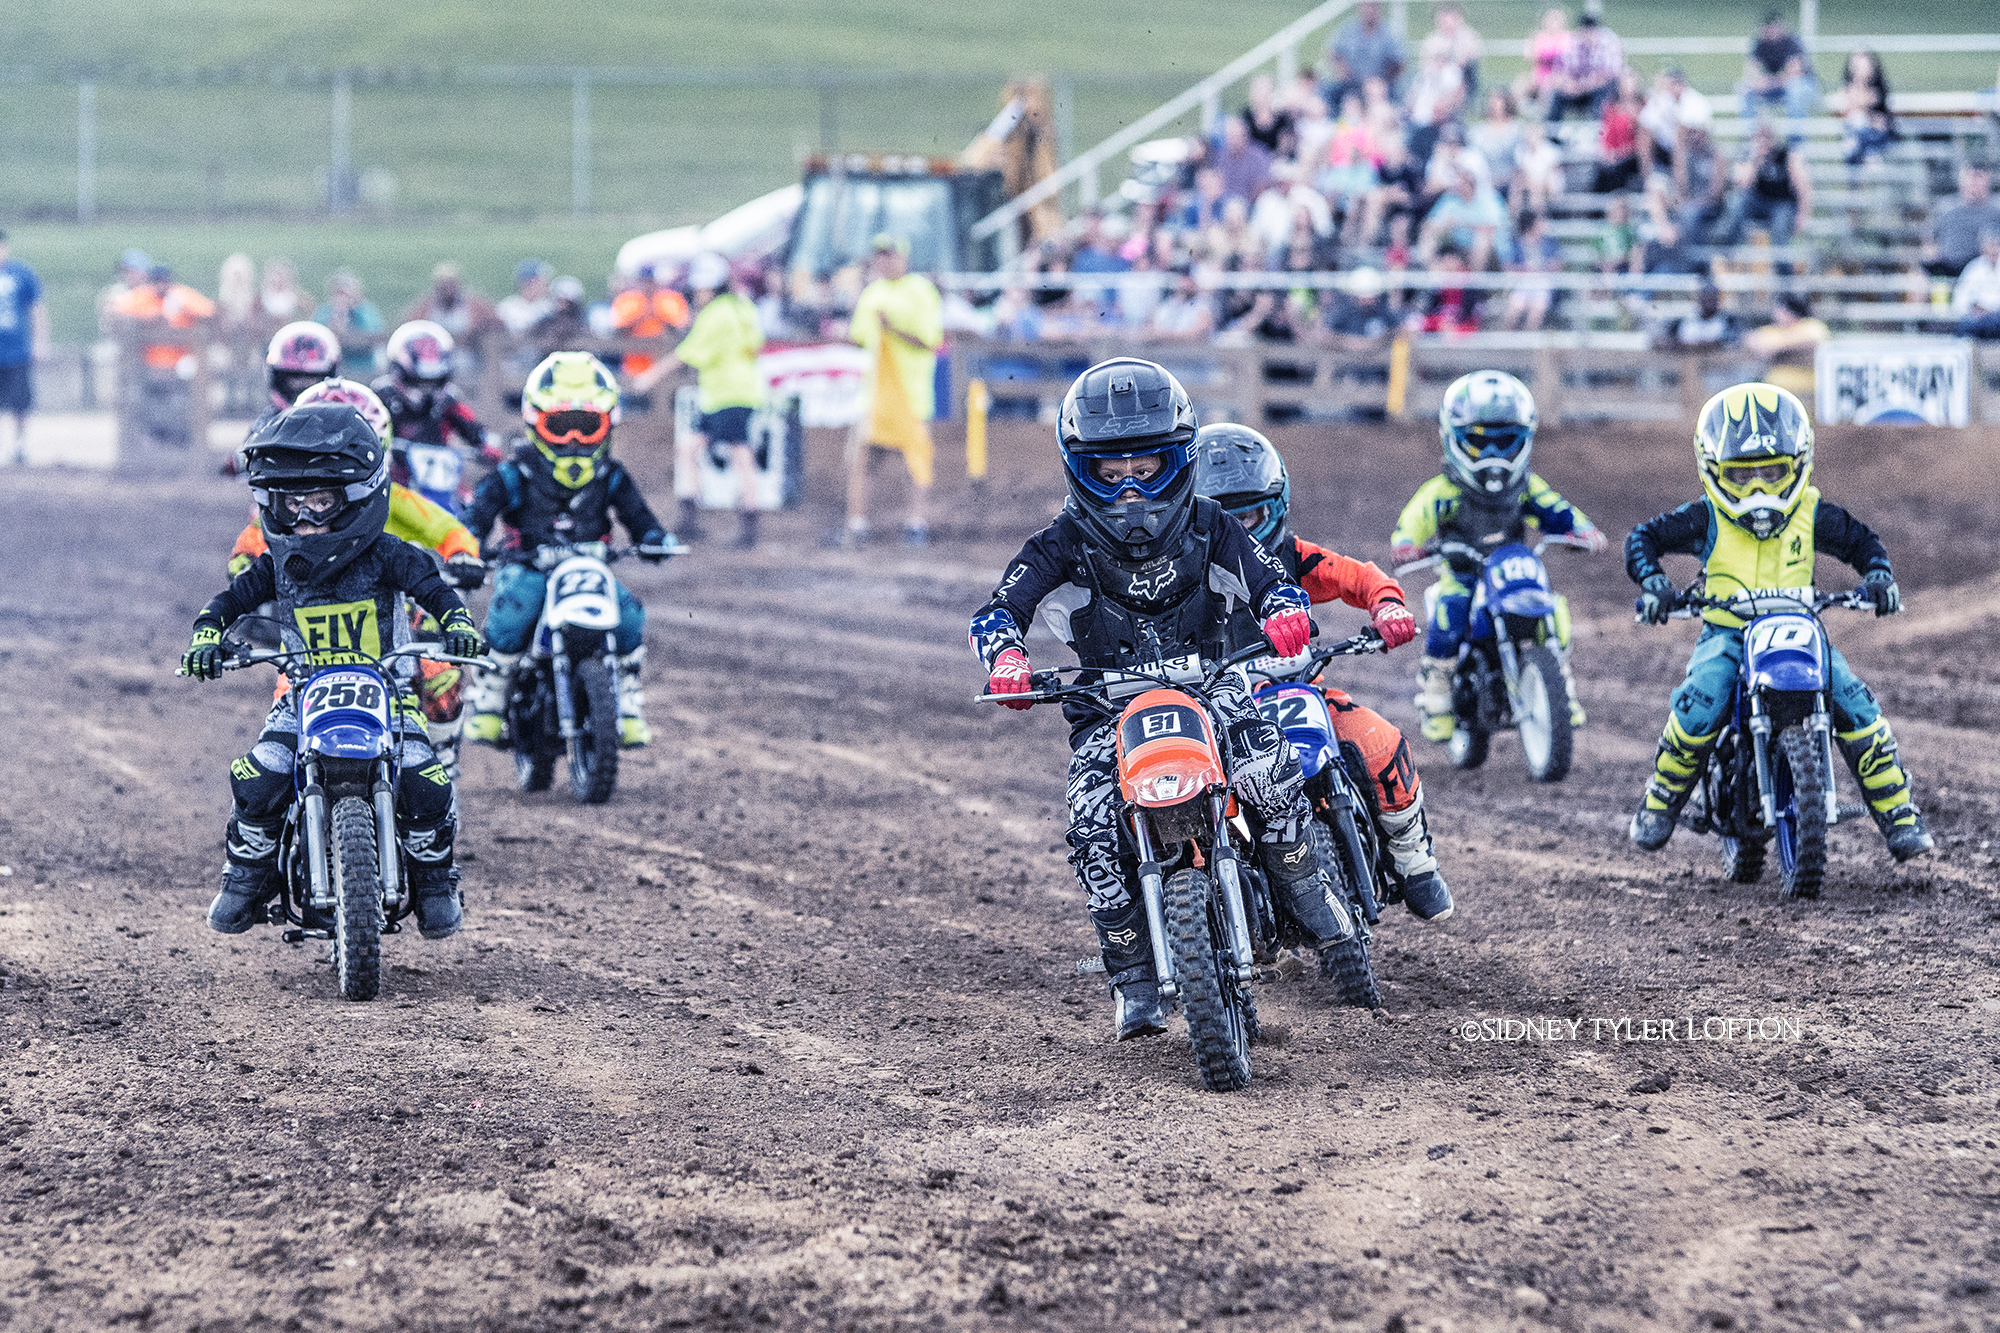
x,y
1301,883
1903,829
1128,963
746,535
240,905
690,529
435,891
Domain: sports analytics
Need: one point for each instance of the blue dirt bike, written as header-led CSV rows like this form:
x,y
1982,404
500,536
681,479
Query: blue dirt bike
x,y
1342,796
339,853
1508,677
1770,777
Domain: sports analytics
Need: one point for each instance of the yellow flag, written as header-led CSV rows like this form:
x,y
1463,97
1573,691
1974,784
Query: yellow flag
x,y
978,401
891,420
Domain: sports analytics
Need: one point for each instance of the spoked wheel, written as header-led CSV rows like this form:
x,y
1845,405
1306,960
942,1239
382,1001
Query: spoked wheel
x,y
1798,779
534,769
1218,1011
357,900
593,751
1542,715
1743,859
1468,745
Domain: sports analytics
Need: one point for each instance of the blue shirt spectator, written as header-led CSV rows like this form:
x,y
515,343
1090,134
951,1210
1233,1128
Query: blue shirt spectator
x,y
1472,219
20,295
1244,163
1364,48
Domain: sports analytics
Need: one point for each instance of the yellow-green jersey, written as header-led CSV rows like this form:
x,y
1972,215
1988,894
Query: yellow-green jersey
x,y
1443,510
722,347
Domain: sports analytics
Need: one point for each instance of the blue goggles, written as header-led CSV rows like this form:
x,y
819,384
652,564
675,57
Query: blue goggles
x,y
1086,469
1495,441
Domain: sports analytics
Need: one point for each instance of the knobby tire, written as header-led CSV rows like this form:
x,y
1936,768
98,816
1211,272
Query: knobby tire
x,y
593,753
1798,765
1218,1023
357,900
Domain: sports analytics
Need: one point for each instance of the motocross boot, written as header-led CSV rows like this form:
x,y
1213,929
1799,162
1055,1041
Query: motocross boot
x,y
632,729
1128,964
1676,768
240,905
1433,698
434,891
690,528
1407,835
484,721
1576,713
1301,883
1872,757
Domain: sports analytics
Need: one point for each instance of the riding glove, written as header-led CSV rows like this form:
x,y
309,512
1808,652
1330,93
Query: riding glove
x,y
653,547
1882,590
459,638
1394,623
467,571
1656,599
203,659
1593,539
1010,676
1403,555
1289,632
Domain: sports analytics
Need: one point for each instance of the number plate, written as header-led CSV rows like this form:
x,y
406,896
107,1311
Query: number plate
x,y
582,583
353,690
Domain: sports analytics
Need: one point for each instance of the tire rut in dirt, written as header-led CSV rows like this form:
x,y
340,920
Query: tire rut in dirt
x,y
593,755
1541,679
1805,768
357,900
1216,1025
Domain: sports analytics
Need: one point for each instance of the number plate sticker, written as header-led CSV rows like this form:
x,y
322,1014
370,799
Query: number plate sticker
x,y
330,690
582,583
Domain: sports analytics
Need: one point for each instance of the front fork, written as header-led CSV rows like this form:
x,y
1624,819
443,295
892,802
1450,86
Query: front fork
x,y
1228,878
387,845
1819,727
565,701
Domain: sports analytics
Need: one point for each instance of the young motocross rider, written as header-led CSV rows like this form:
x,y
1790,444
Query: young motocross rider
x,y
321,479
1485,496
422,523
423,404
1242,471
562,486
1759,525
1135,569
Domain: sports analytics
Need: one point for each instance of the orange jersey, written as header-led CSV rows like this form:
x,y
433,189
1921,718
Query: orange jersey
x,y
1328,576
639,316
181,307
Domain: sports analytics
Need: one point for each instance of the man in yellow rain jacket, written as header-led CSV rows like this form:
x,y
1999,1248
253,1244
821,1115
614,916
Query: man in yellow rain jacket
x,y
900,321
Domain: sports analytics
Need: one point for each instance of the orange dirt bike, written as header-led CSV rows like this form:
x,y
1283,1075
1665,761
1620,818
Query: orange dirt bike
x,y
1213,919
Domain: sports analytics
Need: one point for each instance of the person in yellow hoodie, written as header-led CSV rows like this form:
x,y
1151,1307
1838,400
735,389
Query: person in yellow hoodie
x,y
900,321
422,523
721,346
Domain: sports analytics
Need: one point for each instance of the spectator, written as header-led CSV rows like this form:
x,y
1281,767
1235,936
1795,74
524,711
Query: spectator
x,y
1097,254
1274,216
1450,309
899,321
1616,237
1528,305
280,297
771,316
1453,39
1312,125
1185,316
1358,319
466,315
24,340
1787,344
1701,184
1437,95
523,308
1541,167
1347,167
1452,155
1672,105
164,384
1267,124
1951,239
1868,127
1772,188
645,311
1471,218
356,321
1617,148
1204,210
1244,163
566,327
1497,138
1664,244
236,291
1395,199
134,265
1363,49
1778,73
1545,53
1976,298
1709,329
1587,77
1016,317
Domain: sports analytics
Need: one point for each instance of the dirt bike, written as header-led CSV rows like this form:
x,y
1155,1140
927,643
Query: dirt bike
x,y
1508,676
341,861
438,473
1770,777
1212,917
564,699
1342,794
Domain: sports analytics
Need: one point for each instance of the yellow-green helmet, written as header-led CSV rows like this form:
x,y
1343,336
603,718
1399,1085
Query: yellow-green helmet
x,y
570,403
1754,443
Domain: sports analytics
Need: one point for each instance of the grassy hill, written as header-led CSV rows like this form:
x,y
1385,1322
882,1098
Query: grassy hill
x,y
196,169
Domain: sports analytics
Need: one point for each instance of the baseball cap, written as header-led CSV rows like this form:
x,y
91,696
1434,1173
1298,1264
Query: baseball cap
x,y
135,258
531,268
884,242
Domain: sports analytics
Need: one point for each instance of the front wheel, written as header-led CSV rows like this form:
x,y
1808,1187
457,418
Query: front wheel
x,y
1541,712
1468,745
1219,1019
593,751
1798,779
357,900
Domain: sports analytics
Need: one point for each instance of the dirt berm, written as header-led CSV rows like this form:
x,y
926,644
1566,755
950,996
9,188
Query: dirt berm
x,y
789,1034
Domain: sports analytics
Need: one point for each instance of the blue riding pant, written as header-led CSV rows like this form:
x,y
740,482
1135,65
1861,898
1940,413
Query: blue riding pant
x,y
1717,664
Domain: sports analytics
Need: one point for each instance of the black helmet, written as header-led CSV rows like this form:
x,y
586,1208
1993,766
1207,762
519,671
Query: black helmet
x,y
322,447
1240,470
1122,409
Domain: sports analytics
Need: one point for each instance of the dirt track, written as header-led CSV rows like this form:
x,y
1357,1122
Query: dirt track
x,y
789,1033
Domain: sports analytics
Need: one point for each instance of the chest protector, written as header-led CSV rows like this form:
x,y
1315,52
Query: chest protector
x,y
356,613
1475,516
1738,561
542,501
1123,614
418,422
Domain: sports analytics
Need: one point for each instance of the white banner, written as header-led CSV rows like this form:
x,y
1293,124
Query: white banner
x,y
827,380
1895,381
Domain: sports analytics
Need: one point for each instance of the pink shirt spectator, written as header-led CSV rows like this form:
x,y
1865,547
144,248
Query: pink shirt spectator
x,y
1546,52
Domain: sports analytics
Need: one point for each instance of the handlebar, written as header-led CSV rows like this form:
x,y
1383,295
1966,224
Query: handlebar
x,y
1445,550
1690,603
1047,687
285,657
549,554
1367,641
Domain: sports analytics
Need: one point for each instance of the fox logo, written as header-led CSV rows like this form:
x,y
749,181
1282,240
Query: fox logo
x,y
1151,586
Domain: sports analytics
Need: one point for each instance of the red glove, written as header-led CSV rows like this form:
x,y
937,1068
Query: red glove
x,y
1010,676
1394,623
1289,632
1593,538
1403,555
